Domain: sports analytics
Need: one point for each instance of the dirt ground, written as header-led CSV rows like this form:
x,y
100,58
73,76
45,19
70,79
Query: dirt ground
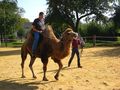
x,y
101,71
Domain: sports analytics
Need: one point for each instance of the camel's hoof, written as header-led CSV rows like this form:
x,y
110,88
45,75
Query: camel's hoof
x,y
23,76
56,77
45,79
34,77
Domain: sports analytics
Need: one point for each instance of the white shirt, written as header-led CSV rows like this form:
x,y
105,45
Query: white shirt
x,y
42,24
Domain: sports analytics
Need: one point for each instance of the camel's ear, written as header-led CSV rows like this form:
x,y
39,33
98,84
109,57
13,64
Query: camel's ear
x,y
69,30
68,33
69,26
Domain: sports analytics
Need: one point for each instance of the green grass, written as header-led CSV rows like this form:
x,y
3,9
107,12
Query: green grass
x,y
103,43
12,44
87,44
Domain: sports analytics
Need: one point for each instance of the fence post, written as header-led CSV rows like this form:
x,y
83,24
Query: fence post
x,y
0,42
94,40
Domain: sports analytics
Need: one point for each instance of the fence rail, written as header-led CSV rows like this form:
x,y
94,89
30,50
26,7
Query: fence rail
x,y
88,39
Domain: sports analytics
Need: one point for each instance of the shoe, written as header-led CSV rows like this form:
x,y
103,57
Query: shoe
x,y
79,66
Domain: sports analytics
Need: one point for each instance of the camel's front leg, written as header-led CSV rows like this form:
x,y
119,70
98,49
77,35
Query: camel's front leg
x,y
45,62
30,65
23,56
60,67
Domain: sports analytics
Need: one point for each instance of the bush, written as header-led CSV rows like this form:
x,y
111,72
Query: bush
x,y
11,38
93,28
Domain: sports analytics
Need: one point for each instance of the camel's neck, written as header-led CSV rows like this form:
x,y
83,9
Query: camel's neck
x,y
65,47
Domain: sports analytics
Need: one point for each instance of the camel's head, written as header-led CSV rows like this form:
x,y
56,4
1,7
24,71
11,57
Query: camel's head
x,y
69,34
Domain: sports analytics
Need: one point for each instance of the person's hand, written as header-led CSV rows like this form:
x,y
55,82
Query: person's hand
x,y
40,31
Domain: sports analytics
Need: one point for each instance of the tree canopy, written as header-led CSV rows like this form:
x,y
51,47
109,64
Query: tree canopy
x,y
116,16
10,15
72,11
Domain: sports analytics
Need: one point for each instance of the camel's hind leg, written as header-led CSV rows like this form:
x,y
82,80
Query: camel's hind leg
x,y
45,62
23,56
60,67
30,65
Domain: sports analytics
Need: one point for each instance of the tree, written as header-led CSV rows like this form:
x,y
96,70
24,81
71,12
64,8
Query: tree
x,y
22,31
116,17
72,11
10,15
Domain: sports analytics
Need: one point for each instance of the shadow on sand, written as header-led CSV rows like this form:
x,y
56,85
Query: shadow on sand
x,y
13,85
10,84
108,53
10,52
64,68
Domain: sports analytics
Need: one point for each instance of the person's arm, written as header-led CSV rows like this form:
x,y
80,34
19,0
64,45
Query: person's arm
x,y
34,24
34,29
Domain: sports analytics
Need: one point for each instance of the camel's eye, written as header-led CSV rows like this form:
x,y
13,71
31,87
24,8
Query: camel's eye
x,y
68,33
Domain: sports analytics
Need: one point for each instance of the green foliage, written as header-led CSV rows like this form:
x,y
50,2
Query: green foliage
x,y
22,29
116,17
93,28
72,11
59,30
10,19
11,37
90,29
21,33
82,29
9,16
110,30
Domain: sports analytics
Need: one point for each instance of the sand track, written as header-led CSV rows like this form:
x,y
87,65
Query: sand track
x,y
101,71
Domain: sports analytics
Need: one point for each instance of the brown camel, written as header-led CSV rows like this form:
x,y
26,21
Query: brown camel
x,y
50,46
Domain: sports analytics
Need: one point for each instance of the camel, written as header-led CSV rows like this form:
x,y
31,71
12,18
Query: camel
x,y
50,46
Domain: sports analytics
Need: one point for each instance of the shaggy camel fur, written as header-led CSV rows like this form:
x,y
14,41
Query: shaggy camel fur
x,y
50,46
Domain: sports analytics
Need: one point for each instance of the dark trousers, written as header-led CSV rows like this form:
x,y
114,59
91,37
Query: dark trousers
x,y
35,42
74,51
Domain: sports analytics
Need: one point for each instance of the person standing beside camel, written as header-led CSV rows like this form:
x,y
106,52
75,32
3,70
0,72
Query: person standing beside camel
x,y
75,50
38,27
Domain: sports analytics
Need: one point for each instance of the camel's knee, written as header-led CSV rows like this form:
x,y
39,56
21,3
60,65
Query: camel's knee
x,y
32,62
24,56
44,67
30,65
45,62
61,65
22,63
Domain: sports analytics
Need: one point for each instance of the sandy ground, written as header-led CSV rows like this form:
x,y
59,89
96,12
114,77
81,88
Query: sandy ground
x,y
101,71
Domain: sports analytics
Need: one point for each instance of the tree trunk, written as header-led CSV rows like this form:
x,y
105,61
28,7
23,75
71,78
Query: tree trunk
x,y
76,26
